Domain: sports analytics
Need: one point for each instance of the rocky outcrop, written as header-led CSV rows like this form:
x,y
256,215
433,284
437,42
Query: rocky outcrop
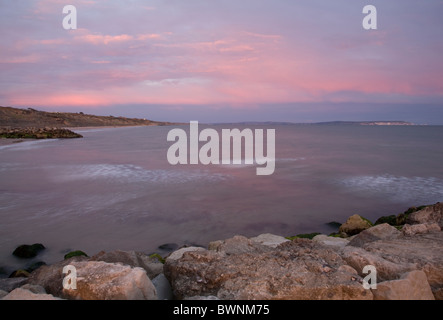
x,y
411,286
354,225
240,268
38,133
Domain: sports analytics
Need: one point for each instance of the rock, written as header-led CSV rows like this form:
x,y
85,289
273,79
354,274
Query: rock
x,y
334,224
410,230
19,273
354,225
381,231
269,240
34,288
438,293
358,258
98,280
2,294
163,287
28,251
131,258
237,245
168,247
179,253
331,241
34,266
51,277
411,286
391,220
428,215
23,294
298,269
202,298
10,284
74,254
393,257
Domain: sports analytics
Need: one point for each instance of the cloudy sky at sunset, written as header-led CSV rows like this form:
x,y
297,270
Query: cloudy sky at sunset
x,y
226,60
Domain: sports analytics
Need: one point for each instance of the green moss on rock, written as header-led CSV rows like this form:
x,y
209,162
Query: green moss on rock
x,y
158,257
76,253
304,236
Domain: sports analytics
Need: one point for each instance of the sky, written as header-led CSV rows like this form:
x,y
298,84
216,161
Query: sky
x,y
226,60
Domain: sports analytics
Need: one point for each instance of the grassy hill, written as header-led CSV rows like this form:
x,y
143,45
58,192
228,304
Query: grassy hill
x,y
30,118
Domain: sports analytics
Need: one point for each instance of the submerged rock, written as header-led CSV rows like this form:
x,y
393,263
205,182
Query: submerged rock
x,y
28,251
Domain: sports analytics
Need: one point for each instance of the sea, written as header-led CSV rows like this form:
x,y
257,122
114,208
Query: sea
x,y
114,189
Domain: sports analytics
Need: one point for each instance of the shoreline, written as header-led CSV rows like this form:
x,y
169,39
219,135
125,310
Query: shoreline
x,y
393,244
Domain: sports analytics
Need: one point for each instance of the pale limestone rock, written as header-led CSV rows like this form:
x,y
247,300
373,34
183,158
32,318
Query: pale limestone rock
x,y
411,286
410,230
179,253
331,241
23,294
270,240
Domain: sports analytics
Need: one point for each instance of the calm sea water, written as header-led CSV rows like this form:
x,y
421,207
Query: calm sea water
x,y
115,189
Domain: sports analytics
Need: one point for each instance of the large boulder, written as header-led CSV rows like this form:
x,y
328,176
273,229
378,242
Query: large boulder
x,y
429,215
98,280
354,225
379,232
243,269
411,286
131,258
51,277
